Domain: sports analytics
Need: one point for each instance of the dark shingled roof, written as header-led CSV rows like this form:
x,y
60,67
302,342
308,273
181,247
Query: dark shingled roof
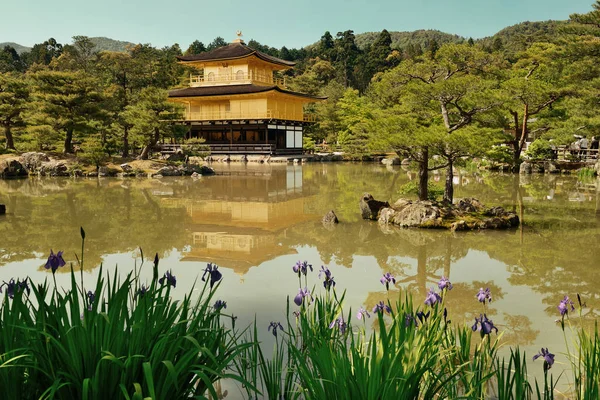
x,y
234,51
225,90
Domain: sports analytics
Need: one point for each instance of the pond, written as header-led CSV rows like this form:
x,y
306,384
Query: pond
x,y
257,221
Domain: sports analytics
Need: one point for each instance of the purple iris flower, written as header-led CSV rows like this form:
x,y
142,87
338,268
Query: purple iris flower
x,y
169,278
142,290
548,358
564,306
275,326
302,293
13,287
91,296
219,305
363,314
484,325
341,325
213,271
432,298
301,268
444,283
484,295
409,320
328,282
381,307
387,279
55,261
422,316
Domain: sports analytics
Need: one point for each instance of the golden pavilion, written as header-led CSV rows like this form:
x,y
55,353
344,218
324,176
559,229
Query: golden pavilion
x,y
239,104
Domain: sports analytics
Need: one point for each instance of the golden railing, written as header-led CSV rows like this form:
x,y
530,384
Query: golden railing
x,y
231,115
208,80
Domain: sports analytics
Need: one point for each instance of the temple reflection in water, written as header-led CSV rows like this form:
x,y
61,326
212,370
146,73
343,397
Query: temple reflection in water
x,y
240,218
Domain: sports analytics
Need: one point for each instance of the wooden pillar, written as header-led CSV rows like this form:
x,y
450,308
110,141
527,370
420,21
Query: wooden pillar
x,y
230,137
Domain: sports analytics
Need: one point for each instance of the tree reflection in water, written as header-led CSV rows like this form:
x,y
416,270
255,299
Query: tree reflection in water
x,y
253,214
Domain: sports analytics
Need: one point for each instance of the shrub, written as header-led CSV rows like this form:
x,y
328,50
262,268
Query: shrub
x,y
540,149
434,191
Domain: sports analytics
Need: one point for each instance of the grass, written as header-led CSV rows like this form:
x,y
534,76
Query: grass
x,y
119,340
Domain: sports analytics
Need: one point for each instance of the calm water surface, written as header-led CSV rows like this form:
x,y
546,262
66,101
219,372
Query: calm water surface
x,y
256,221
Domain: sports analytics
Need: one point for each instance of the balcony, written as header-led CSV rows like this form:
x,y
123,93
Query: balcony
x,y
229,115
235,79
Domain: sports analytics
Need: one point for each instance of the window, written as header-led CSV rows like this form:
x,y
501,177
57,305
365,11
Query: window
x,y
211,76
239,76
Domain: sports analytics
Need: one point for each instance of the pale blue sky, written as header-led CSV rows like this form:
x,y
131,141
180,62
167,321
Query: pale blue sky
x,y
275,23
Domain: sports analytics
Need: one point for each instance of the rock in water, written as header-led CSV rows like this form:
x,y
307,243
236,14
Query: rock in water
x,y
330,218
369,207
2,209
12,169
526,168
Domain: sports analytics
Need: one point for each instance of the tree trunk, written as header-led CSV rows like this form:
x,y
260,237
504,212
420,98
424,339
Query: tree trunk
x,y
449,188
68,141
515,143
424,174
10,144
149,146
125,142
145,152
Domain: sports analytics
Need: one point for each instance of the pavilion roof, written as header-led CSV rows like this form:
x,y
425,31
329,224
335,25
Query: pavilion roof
x,y
227,90
235,51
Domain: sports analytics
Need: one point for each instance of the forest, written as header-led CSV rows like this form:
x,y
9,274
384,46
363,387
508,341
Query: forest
x,y
432,97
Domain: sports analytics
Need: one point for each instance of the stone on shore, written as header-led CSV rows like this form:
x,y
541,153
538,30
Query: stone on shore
x,y
33,161
12,169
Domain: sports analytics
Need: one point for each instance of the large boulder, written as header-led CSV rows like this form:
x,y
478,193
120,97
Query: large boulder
x,y
33,161
12,169
526,168
369,207
467,214
169,171
469,204
551,167
413,214
391,161
53,168
190,169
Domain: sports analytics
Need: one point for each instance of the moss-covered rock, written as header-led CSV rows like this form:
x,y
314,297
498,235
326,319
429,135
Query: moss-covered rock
x,y
466,214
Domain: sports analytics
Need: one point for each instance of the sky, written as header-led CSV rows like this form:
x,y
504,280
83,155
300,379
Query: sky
x,y
274,23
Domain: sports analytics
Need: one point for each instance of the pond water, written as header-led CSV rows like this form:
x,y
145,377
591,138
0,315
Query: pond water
x,y
257,221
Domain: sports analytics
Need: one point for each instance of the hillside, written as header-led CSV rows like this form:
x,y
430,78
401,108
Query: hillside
x,y
518,37
102,44
107,44
20,49
401,39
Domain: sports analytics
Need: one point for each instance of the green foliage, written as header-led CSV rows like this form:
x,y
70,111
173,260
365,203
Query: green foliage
x,y
115,339
195,148
94,152
586,174
14,96
499,155
540,149
434,191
